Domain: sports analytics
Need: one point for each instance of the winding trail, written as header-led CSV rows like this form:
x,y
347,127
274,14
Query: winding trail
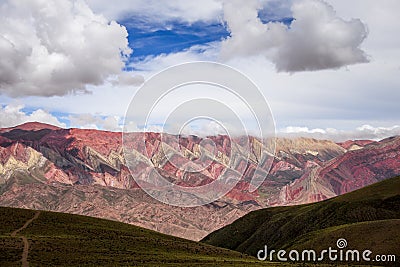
x,y
25,252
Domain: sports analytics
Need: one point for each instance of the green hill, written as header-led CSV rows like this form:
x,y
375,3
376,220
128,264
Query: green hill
x,y
368,218
58,239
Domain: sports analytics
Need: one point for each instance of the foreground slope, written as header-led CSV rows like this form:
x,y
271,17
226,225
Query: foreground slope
x,y
58,239
367,218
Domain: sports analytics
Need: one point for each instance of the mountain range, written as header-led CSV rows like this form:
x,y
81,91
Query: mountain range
x,y
84,172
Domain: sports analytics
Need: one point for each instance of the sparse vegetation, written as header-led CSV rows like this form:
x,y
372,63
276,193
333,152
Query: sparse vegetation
x,y
58,239
367,218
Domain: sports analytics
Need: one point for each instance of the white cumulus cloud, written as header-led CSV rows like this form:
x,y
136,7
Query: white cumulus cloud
x,y
157,11
55,47
316,39
127,78
90,121
13,114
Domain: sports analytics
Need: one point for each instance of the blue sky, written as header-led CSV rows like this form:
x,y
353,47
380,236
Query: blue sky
x,y
324,65
175,36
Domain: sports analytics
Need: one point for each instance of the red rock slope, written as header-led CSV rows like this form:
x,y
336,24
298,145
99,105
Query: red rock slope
x,y
350,171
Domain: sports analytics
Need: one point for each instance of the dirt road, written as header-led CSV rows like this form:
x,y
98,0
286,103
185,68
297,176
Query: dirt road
x,y
25,252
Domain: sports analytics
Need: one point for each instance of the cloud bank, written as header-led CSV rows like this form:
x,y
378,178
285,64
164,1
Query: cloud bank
x,y
316,39
364,132
56,47
13,114
89,121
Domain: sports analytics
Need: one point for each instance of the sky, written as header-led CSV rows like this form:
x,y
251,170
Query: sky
x,y
327,68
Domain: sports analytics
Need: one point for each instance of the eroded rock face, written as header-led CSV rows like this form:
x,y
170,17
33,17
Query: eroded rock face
x,y
84,172
350,171
356,144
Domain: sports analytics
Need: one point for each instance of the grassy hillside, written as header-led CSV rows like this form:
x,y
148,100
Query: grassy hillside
x,y
367,218
381,236
57,239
